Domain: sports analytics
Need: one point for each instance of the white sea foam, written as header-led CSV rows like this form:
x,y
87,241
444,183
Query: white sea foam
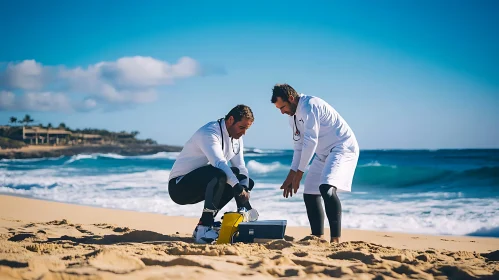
x,y
264,151
29,159
115,156
376,163
80,157
426,212
372,163
160,155
455,217
261,168
429,195
255,155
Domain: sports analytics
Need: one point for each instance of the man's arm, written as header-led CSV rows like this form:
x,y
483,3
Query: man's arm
x,y
238,161
297,147
310,137
211,145
297,150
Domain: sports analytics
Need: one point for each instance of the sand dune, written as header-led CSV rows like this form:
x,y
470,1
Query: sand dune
x,y
63,249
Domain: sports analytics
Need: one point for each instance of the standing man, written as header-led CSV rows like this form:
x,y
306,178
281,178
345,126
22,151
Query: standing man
x,y
318,128
201,170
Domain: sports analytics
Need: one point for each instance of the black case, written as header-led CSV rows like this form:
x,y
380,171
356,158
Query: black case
x,y
269,229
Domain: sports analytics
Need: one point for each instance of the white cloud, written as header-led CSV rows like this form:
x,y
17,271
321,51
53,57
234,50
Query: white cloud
x,y
186,67
128,80
111,95
45,101
80,80
35,101
7,100
27,75
86,105
89,103
135,72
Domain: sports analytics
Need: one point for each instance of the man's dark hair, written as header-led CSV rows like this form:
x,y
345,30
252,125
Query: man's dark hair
x,y
239,112
284,91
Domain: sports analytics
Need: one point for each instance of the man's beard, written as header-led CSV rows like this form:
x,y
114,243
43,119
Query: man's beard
x,y
292,108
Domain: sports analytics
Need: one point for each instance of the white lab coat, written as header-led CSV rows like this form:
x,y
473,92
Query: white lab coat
x,y
319,129
205,147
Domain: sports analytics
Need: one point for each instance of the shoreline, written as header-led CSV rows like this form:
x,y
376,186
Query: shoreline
x,y
8,203
42,239
39,151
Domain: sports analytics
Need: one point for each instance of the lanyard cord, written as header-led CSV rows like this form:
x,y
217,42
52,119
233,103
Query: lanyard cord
x,y
296,133
221,132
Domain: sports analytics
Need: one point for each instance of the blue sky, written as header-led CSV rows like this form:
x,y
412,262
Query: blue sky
x,y
404,74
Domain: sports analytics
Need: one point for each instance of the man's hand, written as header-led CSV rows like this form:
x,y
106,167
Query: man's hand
x,y
241,192
296,181
245,196
287,191
287,185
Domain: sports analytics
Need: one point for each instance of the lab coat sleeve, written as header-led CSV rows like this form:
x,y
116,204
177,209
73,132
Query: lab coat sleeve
x,y
310,136
297,146
238,161
211,145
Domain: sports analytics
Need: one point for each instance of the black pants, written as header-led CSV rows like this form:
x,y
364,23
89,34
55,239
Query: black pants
x,y
315,212
206,183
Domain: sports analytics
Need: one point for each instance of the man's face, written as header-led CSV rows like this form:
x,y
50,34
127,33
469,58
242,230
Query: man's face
x,y
285,107
238,129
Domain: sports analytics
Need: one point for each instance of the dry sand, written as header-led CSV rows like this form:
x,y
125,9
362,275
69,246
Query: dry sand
x,y
50,240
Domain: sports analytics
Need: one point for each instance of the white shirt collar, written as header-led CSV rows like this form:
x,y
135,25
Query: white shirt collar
x,y
300,102
225,132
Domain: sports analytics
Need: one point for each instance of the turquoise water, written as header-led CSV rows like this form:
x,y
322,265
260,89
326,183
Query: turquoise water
x,y
454,192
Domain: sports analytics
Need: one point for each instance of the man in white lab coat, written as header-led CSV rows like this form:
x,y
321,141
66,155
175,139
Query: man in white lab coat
x,y
201,171
318,129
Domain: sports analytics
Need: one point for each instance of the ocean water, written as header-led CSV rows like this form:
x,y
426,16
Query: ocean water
x,y
445,192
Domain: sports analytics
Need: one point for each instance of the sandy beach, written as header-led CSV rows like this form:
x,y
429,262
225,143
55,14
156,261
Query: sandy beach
x,y
50,240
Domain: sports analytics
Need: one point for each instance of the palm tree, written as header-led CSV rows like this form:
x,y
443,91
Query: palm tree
x,y
13,120
27,119
135,133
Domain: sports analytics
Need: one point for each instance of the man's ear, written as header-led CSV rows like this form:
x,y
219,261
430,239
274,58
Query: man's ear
x,y
230,121
291,99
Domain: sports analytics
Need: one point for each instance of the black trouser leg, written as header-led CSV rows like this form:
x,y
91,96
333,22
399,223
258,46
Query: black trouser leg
x,y
315,213
333,209
228,194
241,177
206,183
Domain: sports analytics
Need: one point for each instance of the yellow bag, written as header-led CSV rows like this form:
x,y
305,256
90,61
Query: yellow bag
x,y
230,223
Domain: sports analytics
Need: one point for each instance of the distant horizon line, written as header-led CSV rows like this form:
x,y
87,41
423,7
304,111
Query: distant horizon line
x,y
393,149
369,149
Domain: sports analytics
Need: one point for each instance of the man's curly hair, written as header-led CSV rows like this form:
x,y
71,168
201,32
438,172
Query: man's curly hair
x,y
284,91
239,112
